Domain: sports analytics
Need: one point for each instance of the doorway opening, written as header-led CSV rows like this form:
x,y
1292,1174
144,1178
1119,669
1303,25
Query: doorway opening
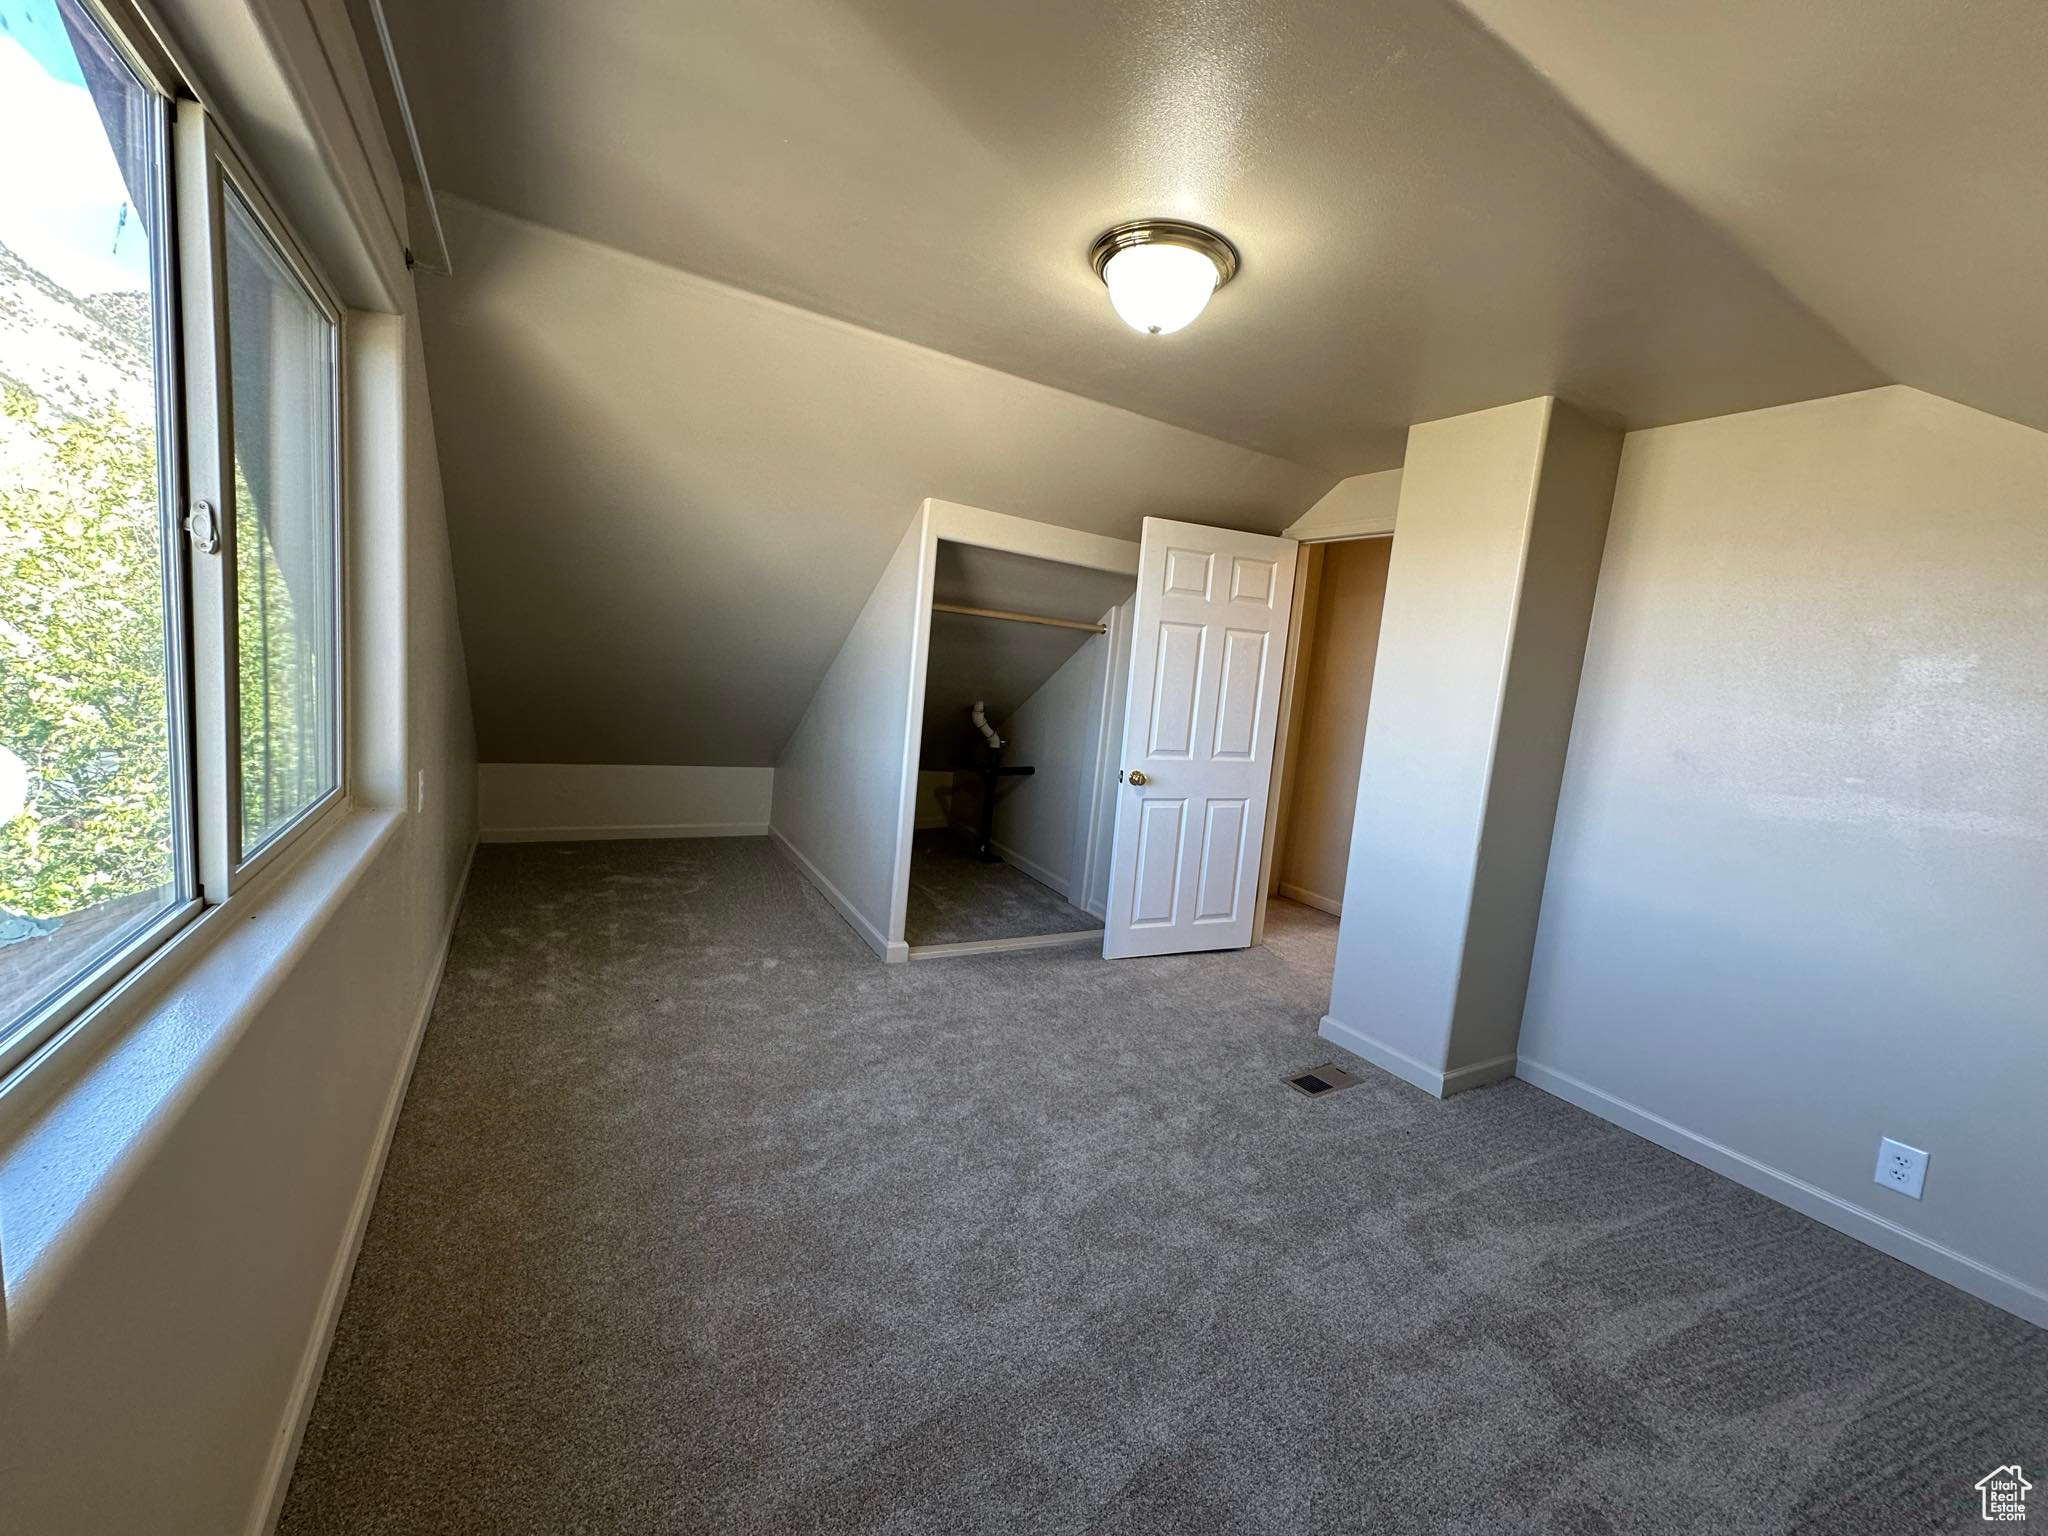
x,y
1151,810
1340,595
1022,722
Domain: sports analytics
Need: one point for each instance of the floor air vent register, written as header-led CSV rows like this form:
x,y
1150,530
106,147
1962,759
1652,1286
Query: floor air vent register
x,y
1318,1081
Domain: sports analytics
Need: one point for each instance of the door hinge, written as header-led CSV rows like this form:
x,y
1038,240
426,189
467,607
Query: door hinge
x,y
203,527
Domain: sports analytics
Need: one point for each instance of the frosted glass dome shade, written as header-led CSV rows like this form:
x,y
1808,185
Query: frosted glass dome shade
x,y
1159,288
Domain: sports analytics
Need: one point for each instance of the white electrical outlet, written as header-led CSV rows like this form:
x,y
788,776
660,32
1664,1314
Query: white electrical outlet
x,y
1901,1167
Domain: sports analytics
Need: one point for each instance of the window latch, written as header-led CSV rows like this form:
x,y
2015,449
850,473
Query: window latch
x,y
204,528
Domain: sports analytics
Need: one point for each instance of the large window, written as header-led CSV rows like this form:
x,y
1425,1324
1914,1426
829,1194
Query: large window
x,y
281,369
91,769
109,841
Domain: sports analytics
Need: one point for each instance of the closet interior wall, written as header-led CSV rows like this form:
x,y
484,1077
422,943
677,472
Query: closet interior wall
x,y
1342,594
1044,648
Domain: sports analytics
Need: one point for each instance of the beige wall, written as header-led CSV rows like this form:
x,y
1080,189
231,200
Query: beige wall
x,y
179,1206
839,790
1489,590
1797,891
934,798
1552,608
1466,488
569,802
1042,821
1353,507
183,1180
670,499
1330,702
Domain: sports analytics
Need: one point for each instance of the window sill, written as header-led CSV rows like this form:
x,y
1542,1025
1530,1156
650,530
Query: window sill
x,y
78,1121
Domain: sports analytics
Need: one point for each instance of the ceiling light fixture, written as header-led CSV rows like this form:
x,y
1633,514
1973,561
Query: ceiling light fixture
x,y
1160,272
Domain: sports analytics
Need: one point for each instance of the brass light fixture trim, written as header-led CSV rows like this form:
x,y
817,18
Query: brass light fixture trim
x,y
1165,232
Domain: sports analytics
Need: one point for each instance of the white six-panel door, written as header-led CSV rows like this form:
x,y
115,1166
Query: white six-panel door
x,y
1208,633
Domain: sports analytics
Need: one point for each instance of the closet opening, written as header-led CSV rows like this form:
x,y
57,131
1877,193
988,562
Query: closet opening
x,y
1022,724
1340,593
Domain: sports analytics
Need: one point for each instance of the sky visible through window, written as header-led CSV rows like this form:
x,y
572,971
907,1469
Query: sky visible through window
x,y
86,776
64,209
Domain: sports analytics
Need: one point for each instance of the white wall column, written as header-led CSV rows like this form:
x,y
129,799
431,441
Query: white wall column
x,y
1496,553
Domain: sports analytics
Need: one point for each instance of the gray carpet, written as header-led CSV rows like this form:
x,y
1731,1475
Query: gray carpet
x,y
954,896
701,1220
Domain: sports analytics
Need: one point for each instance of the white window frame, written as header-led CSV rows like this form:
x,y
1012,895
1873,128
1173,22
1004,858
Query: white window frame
x,y
206,165
195,447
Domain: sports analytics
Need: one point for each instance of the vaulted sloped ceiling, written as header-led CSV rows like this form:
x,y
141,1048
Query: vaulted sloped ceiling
x,y
1888,162
1426,229
669,496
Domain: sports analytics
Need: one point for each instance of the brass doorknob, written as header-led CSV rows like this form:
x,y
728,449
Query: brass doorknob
x,y
1137,777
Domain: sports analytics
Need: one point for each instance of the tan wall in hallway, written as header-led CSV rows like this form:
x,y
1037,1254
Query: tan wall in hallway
x,y
1332,698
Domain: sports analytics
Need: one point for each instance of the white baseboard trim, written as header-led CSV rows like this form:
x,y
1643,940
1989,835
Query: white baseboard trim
x,y
891,951
284,1455
597,802
1309,898
1408,1069
1004,946
1981,1280
1496,1069
1382,1055
622,834
1035,870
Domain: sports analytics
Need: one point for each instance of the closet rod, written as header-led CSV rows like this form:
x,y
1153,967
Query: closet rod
x,y
1019,618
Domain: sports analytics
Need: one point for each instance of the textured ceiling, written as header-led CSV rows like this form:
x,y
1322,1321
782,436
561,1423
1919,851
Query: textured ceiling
x,y
667,499
1887,161
1426,227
